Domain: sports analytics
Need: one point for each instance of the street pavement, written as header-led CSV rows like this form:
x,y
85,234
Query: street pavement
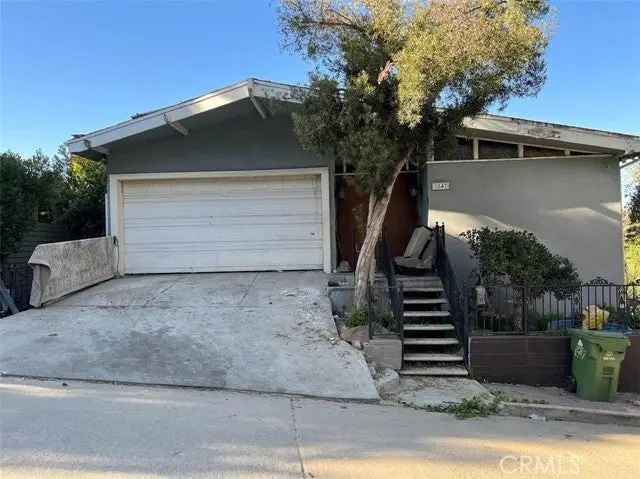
x,y
49,430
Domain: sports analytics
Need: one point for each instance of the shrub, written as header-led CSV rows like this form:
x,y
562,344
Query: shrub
x,y
31,191
65,189
358,317
521,257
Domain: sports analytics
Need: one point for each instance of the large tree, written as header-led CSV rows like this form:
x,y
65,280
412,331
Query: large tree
x,y
395,78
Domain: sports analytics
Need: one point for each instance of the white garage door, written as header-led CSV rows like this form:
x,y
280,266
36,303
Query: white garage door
x,y
223,224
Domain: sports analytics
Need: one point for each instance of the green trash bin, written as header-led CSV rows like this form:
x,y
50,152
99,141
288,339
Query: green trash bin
x,y
597,356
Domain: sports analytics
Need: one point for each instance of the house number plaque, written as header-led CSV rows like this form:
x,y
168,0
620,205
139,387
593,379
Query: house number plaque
x,y
440,186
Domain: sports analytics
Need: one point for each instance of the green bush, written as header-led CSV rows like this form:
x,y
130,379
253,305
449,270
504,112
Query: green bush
x,y
521,257
629,318
31,191
358,317
541,322
64,189
85,188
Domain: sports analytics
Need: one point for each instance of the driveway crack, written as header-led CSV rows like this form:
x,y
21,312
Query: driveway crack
x,y
159,293
248,289
296,437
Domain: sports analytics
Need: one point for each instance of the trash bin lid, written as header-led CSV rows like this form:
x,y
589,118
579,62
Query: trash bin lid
x,y
607,340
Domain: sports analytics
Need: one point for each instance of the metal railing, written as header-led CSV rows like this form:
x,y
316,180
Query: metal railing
x,y
552,308
447,275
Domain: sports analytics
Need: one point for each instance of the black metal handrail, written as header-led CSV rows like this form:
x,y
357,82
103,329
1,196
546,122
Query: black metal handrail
x,y
447,275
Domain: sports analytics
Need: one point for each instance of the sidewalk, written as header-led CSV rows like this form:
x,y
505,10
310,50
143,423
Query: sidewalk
x,y
96,430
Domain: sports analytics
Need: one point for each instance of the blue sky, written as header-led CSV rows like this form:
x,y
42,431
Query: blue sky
x,y
76,66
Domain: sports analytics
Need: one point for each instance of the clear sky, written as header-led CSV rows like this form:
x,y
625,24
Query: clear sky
x,y
76,66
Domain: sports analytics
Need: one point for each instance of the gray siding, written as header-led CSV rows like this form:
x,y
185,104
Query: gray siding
x,y
246,142
572,205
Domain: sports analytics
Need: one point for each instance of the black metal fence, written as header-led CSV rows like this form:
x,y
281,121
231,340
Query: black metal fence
x,y
17,279
552,309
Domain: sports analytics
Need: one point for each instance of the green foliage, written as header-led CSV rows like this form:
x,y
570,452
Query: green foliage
x,y
398,76
59,189
630,318
358,317
30,190
477,406
632,259
519,256
542,321
86,185
386,319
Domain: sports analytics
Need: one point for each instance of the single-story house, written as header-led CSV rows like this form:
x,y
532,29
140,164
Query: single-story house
x,y
220,183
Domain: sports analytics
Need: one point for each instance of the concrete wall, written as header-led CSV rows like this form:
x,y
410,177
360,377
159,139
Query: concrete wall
x,y
243,141
572,205
63,268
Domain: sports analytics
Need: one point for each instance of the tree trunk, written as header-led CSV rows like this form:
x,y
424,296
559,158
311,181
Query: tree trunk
x,y
365,267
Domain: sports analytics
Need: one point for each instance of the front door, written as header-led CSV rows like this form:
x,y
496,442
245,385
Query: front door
x,y
352,208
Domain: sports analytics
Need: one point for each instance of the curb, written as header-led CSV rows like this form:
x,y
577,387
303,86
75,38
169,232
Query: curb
x,y
114,382
568,413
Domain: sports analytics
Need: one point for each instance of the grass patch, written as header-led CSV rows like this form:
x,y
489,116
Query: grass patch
x,y
358,317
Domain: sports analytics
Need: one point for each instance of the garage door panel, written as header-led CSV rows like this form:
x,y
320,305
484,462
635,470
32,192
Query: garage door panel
x,y
222,189
150,209
224,233
163,260
223,224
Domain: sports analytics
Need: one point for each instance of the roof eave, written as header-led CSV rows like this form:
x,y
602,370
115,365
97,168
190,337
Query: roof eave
x,y
614,143
528,130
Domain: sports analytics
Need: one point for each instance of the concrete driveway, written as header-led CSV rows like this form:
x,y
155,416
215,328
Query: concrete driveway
x,y
256,331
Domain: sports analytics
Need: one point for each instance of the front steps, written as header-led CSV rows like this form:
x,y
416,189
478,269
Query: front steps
x,y
430,347
436,371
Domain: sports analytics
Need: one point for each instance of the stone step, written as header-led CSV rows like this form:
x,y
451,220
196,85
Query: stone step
x,y
433,358
426,289
429,327
430,341
425,301
435,371
426,314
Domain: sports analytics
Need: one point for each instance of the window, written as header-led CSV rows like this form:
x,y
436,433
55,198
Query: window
x,y
489,150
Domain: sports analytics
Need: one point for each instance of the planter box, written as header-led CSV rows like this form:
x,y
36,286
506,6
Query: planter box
x,y
539,361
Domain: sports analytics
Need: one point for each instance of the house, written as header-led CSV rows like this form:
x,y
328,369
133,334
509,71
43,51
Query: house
x,y
220,183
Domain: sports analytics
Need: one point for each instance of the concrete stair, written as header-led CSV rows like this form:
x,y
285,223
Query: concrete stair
x,y
429,327
430,346
435,371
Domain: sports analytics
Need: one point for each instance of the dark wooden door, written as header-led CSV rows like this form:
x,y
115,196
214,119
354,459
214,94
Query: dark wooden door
x,y
351,212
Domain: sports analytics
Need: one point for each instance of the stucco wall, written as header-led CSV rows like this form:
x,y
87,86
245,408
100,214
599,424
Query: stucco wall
x,y
572,205
245,142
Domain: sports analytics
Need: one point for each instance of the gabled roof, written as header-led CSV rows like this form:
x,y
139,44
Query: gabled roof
x,y
494,126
